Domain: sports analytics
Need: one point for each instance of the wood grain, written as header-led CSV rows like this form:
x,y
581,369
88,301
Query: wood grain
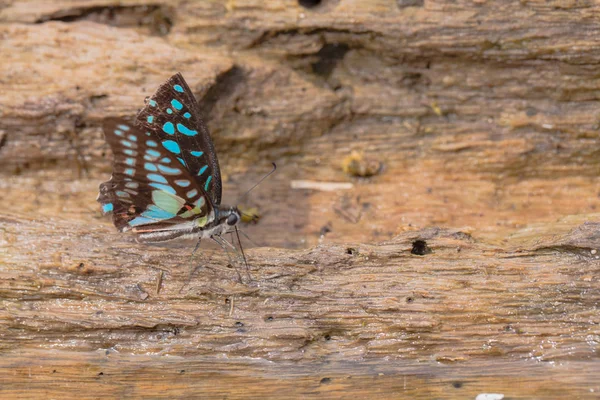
x,y
483,114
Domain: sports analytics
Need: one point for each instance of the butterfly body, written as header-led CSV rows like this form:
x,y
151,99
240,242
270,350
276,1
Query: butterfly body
x,y
166,181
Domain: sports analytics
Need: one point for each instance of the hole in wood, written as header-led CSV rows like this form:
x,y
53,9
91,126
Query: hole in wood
x,y
309,3
420,248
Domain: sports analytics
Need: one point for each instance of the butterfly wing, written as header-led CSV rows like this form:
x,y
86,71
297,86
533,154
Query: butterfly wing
x,y
173,115
150,192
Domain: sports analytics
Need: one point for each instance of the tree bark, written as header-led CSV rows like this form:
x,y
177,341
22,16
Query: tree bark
x,y
467,264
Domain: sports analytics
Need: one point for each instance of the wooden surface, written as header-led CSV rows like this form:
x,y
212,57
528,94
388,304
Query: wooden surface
x,y
483,115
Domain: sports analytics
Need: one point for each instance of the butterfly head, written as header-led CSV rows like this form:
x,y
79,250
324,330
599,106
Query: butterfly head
x,y
228,217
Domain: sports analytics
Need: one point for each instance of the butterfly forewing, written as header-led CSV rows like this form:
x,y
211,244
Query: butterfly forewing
x,y
150,189
172,116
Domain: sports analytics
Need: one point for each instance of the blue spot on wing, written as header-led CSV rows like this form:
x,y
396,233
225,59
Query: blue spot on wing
x,y
185,130
150,119
187,115
168,128
106,208
153,153
157,178
202,170
157,213
141,221
151,143
207,182
172,146
152,103
168,170
150,167
165,188
181,161
182,182
196,153
123,127
178,88
176,104
130,171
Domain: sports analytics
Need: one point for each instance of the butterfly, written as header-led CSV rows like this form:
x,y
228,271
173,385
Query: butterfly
x,y
166,181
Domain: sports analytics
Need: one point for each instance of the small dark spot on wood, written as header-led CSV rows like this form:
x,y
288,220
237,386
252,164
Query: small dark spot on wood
x,y
411,79
101,373
410,299
96,98
325,229
77,87
182,371
269,318
238,323
457,385
420,248
530,111
409,3
352,251
325,381
309,3
227,301
53,371
327,337
81,265
329,56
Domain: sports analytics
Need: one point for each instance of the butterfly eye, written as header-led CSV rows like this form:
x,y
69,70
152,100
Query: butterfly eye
x,y
232,219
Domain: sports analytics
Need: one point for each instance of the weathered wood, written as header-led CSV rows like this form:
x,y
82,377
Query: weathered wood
x,y
483,114
466,304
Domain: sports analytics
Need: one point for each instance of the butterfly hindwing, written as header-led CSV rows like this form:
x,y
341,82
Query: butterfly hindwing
x,y
149,190
172,116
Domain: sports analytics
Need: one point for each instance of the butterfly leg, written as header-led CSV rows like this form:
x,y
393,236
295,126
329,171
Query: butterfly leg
x,y
192,268
237,233
221,242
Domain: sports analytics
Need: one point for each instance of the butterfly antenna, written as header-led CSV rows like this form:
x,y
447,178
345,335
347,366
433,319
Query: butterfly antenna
x,y
257,183
243,255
